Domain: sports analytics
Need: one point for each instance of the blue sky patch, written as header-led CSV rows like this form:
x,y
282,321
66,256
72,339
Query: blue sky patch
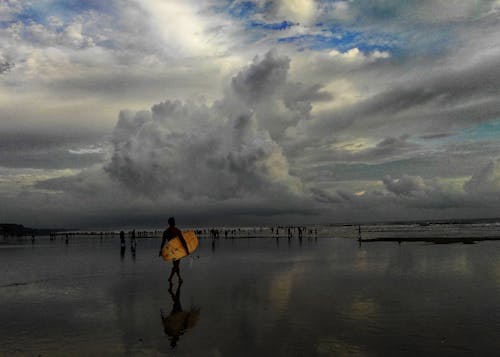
x,y
272,26
40,10
489,130
340,43
242,10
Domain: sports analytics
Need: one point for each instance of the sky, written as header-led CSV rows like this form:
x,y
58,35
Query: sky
x,y
122,113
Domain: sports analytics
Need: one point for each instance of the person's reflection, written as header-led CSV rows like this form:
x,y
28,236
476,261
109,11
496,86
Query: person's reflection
x,y
122,244
178,321
133,245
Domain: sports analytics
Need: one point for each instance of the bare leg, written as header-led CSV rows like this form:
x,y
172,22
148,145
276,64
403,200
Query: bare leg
x,y
175,270
178,270
172,272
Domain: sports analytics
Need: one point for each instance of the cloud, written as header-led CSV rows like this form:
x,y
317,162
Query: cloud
x,y
277,103
54,150
220,151
387,149
262,78
236,152
5,66
485,181
9,9
404,186
302,11
364,105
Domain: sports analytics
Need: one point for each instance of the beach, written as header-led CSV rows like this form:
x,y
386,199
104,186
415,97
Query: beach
x,y
325,296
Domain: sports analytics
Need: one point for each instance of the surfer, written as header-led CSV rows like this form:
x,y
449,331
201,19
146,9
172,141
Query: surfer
x,y
170,233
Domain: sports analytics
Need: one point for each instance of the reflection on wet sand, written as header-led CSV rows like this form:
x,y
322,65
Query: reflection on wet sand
x,y
122,252
362,309
435,240
324,299
336,347
178,321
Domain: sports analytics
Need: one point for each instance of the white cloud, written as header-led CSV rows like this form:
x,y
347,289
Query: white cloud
x,y
9,8
302,11
354,55
182,29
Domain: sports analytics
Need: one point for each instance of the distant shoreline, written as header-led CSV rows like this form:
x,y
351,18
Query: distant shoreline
x,y
16,229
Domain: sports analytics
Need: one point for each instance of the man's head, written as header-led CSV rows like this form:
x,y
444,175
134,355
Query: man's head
x,y
171,221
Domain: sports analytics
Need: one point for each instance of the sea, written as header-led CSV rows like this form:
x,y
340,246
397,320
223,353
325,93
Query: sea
x,y
373,290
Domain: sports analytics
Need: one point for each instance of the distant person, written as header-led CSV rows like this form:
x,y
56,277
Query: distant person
x,y
170,233
122,239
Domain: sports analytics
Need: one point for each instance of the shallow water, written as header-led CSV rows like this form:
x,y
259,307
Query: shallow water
x,y
248,297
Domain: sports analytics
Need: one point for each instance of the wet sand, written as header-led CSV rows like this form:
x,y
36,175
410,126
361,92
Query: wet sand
x,y
247,297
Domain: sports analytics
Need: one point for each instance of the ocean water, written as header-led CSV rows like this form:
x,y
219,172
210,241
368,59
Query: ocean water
x,y
324,296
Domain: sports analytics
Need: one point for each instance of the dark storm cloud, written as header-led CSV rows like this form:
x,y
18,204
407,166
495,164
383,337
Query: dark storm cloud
x,y
117,83
50,159
299,98
435,136
113,204
485,180
177,151
230,149
454,87
51,151
262,78
481,191
85,184
367,112
323,196
230,158
404,186
221,156
353,161
387,149
427,11
405,192
458,96
276,103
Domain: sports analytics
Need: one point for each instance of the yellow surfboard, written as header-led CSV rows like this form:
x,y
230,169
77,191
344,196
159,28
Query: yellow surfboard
x,y
174,249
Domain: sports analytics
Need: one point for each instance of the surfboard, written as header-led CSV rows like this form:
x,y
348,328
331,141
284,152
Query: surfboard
x,y
174,250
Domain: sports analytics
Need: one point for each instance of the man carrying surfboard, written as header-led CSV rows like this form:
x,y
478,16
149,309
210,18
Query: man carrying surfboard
x,y
170,233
